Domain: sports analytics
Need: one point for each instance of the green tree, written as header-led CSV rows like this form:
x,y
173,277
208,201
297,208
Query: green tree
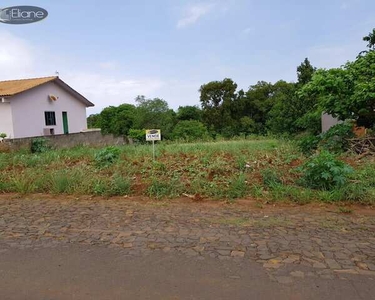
x,y
305,71
259,100
117,120
292,112
370,38
93,121
186,113
154,114
347,92
285,111
247,126
190,130
220,105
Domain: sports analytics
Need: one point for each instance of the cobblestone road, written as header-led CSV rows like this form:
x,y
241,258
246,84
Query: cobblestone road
x,y
289,242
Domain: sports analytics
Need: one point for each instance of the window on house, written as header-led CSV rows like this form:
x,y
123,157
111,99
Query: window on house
x,y
50,118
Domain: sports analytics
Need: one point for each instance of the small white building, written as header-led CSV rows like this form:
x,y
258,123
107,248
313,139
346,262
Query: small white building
x,y
41,106
328,121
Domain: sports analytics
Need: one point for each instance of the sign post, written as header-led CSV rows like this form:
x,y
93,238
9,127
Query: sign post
x,y
153,135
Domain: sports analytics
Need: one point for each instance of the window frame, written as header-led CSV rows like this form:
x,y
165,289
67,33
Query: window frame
x,y
50,118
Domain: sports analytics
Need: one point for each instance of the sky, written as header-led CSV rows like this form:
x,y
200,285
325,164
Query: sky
x,y
115,50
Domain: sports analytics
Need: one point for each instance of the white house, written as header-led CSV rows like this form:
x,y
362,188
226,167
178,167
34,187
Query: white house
x,y
41,106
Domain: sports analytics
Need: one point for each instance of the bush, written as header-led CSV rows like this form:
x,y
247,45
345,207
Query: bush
x,y
107,156
336,138
324,171
308,144
190,130
39,145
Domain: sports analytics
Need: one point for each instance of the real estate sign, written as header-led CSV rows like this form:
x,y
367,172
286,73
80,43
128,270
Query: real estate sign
x,y
153,135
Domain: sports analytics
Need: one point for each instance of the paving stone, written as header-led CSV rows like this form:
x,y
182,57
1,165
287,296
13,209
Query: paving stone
x,y
332,264
235,253
319,265
298,274
136,228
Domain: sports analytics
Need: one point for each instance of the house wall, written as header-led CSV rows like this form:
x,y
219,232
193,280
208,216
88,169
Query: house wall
x,y
28,111
6,123
93,138
328,121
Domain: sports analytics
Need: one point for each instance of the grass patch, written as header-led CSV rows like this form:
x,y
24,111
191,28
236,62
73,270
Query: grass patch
x,y
265,169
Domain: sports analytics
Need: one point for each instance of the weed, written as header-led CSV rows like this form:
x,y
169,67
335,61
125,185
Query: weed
x,y
345,210
237,187
325,171
160,189
107,156
270,177
119,186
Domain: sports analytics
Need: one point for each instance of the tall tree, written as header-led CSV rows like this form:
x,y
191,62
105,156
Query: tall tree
x,y
370,38
292,113
305,72
154,113
257,102
219,101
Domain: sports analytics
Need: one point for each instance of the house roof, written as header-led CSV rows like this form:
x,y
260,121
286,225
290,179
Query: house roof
x,y
10,88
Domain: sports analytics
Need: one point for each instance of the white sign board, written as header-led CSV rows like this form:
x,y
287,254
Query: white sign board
x,y
153,135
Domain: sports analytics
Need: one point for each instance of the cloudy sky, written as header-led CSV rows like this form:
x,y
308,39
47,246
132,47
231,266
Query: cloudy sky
x,y
114,51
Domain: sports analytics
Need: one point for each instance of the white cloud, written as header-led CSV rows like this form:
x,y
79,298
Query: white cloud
x,y
193,13
105,90
16,57
20,59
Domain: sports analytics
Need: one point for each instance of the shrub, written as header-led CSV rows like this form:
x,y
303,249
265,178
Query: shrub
x,y
324,171
107,156
190,130
39,145
137,135
336,138
308,144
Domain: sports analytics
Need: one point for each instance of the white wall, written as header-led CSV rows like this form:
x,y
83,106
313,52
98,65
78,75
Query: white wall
x,y
6,123
328,121
28,111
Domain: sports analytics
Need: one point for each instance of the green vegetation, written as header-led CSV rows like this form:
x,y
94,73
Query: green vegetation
x,y
259,168
324,171
39,145
282,108
224,150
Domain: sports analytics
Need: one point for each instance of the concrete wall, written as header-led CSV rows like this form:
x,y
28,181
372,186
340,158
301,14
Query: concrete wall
x,y
89,138
28,111
6,122
328,121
